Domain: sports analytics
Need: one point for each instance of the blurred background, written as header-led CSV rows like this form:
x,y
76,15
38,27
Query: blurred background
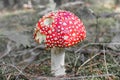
x,y
96,58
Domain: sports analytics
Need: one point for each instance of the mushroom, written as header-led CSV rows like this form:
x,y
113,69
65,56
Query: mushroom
x,y
59,29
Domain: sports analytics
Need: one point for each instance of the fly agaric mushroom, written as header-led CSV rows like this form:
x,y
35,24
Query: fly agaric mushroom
x,y
59,29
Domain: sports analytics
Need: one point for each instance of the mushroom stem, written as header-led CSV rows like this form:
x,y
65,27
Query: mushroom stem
x,y
57,61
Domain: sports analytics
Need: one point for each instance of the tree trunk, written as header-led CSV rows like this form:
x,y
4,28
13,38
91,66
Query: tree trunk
x,y
6,3
58,2
18,3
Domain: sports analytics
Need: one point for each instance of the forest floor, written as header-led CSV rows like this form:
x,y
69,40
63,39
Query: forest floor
x,y
96,58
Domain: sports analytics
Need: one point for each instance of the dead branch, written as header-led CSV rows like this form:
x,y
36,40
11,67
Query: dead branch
x,y
69,4
98,44
108,15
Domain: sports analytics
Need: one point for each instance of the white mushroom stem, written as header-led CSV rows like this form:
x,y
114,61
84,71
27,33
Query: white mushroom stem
x,y
57,61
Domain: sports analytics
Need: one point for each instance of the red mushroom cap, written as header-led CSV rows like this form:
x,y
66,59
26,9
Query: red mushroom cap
x,y
61,28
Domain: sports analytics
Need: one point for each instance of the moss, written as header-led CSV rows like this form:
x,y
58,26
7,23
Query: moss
x,y
106,22
101,9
